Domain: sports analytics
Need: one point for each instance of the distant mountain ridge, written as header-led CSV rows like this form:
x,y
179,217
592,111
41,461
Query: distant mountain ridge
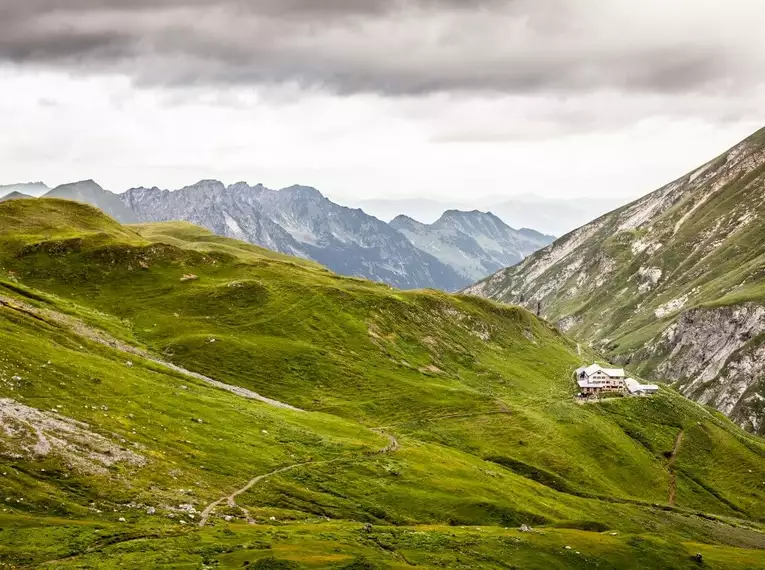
x,y
556,216
448,255
475,243
15,196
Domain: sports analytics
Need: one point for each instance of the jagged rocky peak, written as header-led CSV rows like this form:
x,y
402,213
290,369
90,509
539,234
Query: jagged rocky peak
x,y
485,222
242,186
402,222
209,186
142,191
303,192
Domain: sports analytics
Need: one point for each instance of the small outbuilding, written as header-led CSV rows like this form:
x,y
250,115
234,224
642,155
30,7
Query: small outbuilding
x,y
637,389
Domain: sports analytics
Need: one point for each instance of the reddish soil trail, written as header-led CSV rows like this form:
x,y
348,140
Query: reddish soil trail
x,y
671,468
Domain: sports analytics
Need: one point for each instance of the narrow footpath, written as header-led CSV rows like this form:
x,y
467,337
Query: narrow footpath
x,y
230,500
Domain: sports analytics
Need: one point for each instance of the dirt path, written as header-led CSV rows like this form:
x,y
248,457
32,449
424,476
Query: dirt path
x,y
671,468
230,500
101,337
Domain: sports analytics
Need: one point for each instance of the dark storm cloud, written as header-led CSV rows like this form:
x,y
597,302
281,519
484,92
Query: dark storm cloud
x,y
393,47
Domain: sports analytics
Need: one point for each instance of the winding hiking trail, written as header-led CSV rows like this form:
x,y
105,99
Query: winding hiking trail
x,y
671,468
230,500
96,335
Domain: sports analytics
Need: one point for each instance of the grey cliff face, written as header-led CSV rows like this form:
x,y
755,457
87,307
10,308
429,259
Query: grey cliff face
x,y
715,356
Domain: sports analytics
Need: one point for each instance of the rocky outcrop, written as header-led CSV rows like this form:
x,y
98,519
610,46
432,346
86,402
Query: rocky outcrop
x,y
29,433
716,356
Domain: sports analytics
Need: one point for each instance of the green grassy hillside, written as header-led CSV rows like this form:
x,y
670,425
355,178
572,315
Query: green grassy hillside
x,y
173,399
672,285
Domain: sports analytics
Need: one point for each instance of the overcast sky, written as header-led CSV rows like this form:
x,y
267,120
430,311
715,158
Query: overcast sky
x,y
370,98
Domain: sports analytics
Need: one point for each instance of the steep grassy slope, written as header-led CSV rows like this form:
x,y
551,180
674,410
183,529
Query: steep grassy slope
x,y
407,428
672,284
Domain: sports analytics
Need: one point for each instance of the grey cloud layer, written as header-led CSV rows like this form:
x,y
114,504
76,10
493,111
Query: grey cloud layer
x,y
397,47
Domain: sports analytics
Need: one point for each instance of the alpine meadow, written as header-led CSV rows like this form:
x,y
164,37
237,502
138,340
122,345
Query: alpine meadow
x,y
171,398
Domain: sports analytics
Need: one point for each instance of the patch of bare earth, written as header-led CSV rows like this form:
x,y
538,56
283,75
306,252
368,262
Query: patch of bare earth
x,y
29,433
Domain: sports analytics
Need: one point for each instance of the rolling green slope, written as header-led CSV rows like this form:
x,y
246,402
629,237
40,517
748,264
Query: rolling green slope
x,y
169,398
671,285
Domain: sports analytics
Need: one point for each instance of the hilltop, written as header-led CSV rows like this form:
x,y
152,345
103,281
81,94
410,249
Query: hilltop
x,y
162,387
671,284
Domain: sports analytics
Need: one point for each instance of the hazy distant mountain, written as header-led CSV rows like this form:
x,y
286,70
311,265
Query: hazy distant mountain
x,y
423,209
91,193
474,243
14,196
555,216
300,221
30,189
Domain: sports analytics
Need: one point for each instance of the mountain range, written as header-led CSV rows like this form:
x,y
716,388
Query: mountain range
x,y
556,216
672,285
461,248
170,398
